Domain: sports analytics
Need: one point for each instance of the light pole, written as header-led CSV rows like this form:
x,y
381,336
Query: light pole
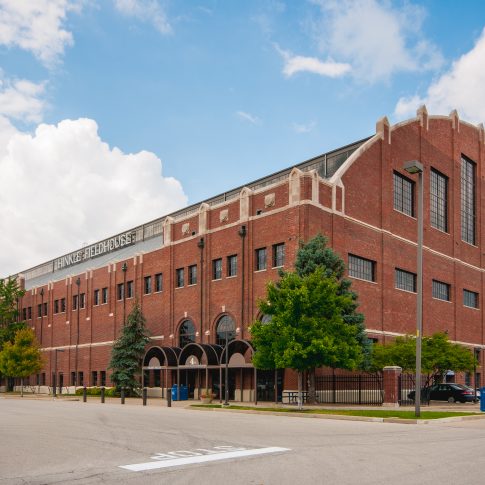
x,y
226,326
78,284
124,268
54,392
41,312
415,167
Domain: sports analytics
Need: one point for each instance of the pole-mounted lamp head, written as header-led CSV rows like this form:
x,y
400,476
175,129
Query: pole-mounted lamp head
x,y
124,267
413,167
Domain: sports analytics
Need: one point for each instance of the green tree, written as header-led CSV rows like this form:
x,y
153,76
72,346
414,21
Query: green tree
x,y
316,254
128,350
438,356
307,327
22,357
10,294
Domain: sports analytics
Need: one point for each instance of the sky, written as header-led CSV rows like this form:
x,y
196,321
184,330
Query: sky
x,y
116,112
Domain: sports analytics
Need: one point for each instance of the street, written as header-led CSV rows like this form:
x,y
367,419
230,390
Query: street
x,y
62,442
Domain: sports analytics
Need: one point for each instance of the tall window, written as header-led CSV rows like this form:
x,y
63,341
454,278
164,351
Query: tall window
x,y
467,200
63,305
29,313
217,269
403,194
158,282
361,268
82,300
45,309
147,285
441,290
120,291
56,306
278,255
130,289
232,265
39,310
225,325
74,302
260,259
405,280
94,378
103,377
104,295
186,333
96,297
179,277
438,208
470,299
193,274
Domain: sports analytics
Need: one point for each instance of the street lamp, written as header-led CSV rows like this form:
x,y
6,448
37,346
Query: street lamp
x,y
54,392
124,268
41,312
78,284
226,326
415,167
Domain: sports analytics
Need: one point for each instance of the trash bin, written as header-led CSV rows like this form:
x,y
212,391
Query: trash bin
x,y
184,393
482,399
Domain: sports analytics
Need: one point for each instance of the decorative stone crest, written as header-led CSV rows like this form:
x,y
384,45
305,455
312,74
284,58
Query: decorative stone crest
x,y
269,200
224,215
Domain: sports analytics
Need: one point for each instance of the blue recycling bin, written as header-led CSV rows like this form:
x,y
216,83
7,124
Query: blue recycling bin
x,y
482,399
184,393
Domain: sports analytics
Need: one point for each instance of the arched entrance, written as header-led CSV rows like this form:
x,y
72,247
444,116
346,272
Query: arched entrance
x,y
158,365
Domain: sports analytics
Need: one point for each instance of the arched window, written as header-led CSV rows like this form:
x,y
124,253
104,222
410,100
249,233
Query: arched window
x,y
225,325
266,318
186,333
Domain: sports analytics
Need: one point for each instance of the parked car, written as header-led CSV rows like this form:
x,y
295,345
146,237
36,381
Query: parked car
x,y
473,390
446,392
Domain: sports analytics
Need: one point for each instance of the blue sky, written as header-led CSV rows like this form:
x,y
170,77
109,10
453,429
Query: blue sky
x,y
115,112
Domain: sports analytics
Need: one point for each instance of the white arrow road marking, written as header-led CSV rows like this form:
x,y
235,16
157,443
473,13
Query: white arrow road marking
x,y
192,460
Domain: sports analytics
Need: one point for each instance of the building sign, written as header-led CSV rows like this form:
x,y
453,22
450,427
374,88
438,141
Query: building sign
x,y
192,360
97,249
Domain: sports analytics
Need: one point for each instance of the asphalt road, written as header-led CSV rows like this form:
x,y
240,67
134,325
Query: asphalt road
x,y
64,442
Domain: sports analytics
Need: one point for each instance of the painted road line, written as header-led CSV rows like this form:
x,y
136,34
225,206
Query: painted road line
x,y
192,460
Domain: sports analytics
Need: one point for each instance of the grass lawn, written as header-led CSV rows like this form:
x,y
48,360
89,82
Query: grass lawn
x,y
373,413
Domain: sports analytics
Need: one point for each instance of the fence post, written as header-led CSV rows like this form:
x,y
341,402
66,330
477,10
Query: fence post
x,y
85,394
122,395
360,388
169,398
102,395
145,395
390,376
334,387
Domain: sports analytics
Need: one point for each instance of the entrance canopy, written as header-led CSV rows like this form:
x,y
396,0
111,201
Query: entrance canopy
x,y
161,358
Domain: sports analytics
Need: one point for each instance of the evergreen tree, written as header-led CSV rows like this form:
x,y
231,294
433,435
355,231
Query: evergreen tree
x,y
128,350
10,294
22,357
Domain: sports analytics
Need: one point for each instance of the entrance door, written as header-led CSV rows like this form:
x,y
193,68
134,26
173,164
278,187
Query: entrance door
x,y
266,385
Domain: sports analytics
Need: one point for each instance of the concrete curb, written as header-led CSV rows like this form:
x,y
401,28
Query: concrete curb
x,y
344,417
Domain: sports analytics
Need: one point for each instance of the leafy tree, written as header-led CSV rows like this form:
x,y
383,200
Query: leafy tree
x,y
438,355
128,350
10,293
307,328
316,254
21,358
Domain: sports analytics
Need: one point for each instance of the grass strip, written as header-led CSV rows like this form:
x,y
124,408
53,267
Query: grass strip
x,y
371,413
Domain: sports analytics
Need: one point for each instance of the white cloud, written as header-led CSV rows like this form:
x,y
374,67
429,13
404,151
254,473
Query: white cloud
x,y
376,37
461,88
37,26
304,128
146,11
63,186
21,99
248,117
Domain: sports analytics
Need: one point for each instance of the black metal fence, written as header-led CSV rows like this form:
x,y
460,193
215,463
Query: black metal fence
x,y
407,390
350,389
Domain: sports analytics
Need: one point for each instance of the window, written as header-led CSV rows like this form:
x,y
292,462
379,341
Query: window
x,y
94,378
405,280
73,378
441,290
74,302
24,313
96,297
120,291
81,378
467,200
147,285
63,305
361,268
186,333
179,277
130,289
438,208
260,259
217,269
82,300
39,310
45,309
104,295
42,377
470,299
158,282
225,328
278,255
56,306
232,265
403,194
193,274
29,313
103,377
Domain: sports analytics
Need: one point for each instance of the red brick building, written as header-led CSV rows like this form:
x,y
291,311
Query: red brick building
x,y
206,265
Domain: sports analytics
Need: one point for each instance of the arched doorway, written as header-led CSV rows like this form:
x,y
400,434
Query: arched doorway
x,y
187,333
158,365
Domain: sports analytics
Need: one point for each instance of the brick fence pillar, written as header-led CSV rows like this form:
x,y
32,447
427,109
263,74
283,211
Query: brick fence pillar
x,y
391,385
